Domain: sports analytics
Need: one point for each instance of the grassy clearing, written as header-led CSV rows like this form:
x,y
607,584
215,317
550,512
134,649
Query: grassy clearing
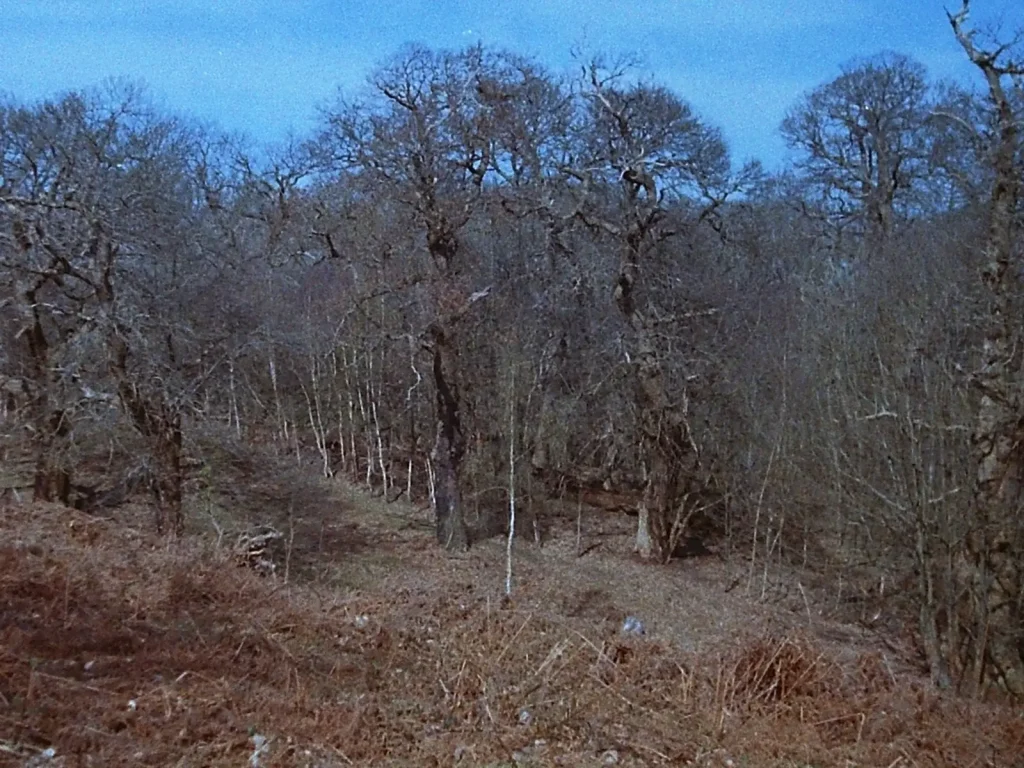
x,y
119,648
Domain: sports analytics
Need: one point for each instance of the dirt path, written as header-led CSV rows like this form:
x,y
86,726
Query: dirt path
x,y
701,604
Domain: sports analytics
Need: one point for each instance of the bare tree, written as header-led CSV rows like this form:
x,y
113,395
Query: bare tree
x,y
863,143
648,143
986,637
427,138
70,167
107,241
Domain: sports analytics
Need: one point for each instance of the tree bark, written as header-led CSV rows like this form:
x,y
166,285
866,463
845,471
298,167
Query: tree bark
x,y
450,441
449,445
170,476
667,447
52,477
989,565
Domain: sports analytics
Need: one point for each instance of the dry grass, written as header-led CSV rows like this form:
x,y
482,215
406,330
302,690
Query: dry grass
x,y
118,648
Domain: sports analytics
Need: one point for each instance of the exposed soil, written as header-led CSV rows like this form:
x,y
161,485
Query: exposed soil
x,y
369,646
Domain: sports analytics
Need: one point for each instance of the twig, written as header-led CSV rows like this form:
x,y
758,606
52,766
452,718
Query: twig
x,y
807,604
67,680
556,652
291,539
514,638
579,524
589,549
757,513
511,483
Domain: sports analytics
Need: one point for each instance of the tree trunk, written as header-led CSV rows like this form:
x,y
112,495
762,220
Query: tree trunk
x,y
52,477
449,445
665,440
170,477
933,606
450,442
989,565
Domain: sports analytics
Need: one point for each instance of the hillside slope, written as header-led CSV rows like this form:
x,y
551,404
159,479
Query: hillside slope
x,y
121,648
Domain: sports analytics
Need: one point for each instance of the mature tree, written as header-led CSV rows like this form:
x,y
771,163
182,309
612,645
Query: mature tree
x,y
861,142
104,249
987,637
68,176
173,315
428,141
645,159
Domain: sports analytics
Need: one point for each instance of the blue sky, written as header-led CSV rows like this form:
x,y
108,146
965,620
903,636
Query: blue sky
x,y
262,67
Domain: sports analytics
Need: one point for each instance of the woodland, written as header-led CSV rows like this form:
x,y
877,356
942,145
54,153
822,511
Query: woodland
x,y
483,285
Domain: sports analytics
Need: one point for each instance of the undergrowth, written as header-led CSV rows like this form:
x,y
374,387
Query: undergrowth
x,y
118,648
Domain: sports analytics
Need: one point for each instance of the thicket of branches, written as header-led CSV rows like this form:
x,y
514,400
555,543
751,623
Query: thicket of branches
x,y
822,363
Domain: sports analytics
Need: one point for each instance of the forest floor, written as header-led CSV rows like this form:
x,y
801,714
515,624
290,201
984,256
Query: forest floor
x,y
370,646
